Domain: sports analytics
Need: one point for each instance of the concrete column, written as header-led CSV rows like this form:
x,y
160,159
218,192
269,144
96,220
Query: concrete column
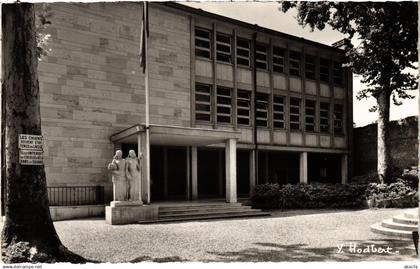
x,y
252,179
145,179
344,169
303,168
194,173
230,152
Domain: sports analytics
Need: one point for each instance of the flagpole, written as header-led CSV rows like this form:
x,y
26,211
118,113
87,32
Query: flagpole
x,y
146,93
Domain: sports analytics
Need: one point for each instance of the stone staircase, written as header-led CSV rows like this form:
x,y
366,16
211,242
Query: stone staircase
x,y
400,226
189,211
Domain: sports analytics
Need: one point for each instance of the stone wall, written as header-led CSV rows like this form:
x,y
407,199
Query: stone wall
x,y
403,142
92,85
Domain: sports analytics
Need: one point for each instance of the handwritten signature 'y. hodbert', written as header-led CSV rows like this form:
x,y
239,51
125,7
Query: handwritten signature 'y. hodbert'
x,y
372,248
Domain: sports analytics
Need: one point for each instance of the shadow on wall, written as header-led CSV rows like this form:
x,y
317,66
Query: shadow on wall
x,y
403,141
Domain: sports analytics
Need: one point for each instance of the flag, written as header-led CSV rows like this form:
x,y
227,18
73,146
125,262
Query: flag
x,y
144,34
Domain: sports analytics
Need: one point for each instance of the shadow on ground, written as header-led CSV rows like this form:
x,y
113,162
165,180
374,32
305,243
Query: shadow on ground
x,y
164,259
402,250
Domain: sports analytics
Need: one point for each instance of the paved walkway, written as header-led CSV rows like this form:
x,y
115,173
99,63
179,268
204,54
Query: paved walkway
x,y
301,235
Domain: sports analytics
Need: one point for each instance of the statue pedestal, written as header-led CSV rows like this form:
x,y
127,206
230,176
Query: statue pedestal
x,y
129,212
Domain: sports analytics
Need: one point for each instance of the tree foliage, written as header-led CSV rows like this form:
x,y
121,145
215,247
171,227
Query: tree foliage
x,y
388,41
42,20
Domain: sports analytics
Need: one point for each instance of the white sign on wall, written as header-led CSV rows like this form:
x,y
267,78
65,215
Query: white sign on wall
x,y
30,142
30,149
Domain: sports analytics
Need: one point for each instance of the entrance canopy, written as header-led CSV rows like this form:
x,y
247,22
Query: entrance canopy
x,y
175,136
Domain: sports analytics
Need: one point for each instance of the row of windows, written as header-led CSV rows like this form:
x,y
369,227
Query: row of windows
x,y
223,43
224,105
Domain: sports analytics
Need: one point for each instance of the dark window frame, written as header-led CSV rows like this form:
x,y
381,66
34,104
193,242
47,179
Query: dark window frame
x,y
241,59
295,63
227,104
261,103
338,119
338,73
293,123
310,66
279,111
279,57
310,118
324,117
223,56
324,70
260,63
200,91
199,50
243,99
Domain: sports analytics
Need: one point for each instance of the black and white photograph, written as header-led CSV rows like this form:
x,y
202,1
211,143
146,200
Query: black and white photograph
x,y
200,133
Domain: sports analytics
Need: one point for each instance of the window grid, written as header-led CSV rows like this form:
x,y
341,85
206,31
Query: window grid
x,y
244,107
261,110
310,66
223,48
338,73
224,105
261,56
310,107
203,106
243,52
278,111
324,70
324,117
278,59
338,119
294,114
294,63
202,43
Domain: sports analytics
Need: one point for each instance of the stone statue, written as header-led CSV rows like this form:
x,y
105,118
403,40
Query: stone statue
x,y
119,178
133,170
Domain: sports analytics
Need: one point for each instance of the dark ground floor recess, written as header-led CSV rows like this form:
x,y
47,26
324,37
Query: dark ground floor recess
x,y
170,170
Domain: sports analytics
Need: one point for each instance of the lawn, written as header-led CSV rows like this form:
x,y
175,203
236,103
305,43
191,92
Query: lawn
x,y
301,235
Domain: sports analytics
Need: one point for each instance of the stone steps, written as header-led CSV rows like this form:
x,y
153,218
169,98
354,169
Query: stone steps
x,y
403,220
399,226
208,217
204,211
411,214
389,223
378,228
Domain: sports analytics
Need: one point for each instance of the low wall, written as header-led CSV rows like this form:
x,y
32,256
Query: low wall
x,y
403,142
76,212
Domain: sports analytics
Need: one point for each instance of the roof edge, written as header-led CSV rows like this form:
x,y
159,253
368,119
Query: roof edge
x,y
246,24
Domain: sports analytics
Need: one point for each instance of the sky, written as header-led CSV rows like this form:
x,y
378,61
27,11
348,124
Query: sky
x,y
266,14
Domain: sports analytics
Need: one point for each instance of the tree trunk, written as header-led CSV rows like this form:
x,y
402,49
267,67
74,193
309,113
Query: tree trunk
x,y
384,159
28,234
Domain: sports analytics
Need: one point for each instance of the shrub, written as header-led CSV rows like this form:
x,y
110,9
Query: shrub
x,y
411,177
397,194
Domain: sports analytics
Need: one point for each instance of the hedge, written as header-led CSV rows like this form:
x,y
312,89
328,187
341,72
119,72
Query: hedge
x,y
274,196
316,195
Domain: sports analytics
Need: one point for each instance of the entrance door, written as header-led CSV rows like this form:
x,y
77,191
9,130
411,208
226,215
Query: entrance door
x,y
168,173
242,173
211,173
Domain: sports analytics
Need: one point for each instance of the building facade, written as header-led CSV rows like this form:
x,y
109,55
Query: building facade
x,y
231,104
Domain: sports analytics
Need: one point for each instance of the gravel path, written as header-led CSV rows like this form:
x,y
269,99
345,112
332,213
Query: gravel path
x,y
302,235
